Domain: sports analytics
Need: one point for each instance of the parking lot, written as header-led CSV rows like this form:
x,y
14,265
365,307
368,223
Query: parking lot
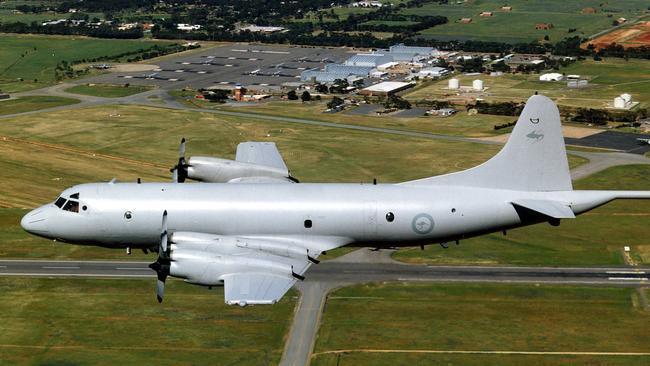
x,y
621,141
260,67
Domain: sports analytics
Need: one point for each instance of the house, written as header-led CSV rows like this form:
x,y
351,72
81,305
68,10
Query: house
x,y
506,8
544,26
588,11
187,27
465,20
553,76
621,20
486,14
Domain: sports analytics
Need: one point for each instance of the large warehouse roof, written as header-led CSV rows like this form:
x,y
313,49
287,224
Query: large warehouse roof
x,y
351,70
386,88
401,48
368,60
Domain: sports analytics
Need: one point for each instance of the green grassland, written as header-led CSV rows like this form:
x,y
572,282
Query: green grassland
x,y
595,238
519,24
485,317
34,58
107,90
608,79
33,103
100,321
460,124
44,153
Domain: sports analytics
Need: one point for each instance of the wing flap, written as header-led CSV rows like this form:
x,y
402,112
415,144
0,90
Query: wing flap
x,y
255,288
554,209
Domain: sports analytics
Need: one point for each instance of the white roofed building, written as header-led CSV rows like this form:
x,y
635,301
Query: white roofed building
x,y
368,59
433,72
553,76
385,88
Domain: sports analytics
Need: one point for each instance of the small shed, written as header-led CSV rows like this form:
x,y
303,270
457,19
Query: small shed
x,y
465,20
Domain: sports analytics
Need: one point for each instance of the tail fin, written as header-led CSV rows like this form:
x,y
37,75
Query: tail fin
x,y
533,159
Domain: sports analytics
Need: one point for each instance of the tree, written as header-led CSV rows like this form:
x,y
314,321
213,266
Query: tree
x,y
335,102
305,96
322,88
394,101
292,95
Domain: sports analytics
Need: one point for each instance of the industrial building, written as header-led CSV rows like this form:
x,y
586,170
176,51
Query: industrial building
x,y
385,88
433,72
368,60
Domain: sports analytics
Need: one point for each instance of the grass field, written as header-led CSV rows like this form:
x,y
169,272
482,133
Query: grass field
x,y
107,90
34,58
33,103
595,238
93,321
608,79
481,317
460,124
518,25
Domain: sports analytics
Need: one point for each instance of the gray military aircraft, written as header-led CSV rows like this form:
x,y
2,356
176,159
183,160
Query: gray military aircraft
x,y
251,227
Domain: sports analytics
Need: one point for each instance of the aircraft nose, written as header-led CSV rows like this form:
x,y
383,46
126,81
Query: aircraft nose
x,y
35,222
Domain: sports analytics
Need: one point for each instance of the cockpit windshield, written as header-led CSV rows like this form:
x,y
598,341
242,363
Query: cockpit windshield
x,y
71,204
59,202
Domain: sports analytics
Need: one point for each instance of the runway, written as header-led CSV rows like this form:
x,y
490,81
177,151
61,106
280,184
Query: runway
x,y
344,272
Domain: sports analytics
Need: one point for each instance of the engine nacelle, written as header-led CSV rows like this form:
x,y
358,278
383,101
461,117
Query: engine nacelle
x,y
216,170
208,269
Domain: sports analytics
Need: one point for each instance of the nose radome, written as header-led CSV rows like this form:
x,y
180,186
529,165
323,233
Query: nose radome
x,y
35,222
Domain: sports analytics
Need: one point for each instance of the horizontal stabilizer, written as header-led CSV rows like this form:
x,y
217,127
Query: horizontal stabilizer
x,y
554,209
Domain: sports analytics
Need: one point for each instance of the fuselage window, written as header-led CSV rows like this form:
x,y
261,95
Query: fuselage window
x,y
59,202
72,206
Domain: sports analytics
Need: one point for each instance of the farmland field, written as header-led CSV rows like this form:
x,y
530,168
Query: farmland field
x,y
34,58
481,317
518,25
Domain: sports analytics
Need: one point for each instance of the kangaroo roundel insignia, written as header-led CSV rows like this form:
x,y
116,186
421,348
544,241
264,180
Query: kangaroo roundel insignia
x,y
422,223
534,120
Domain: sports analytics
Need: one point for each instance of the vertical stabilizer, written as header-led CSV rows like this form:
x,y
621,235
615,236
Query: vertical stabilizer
x,y
533,159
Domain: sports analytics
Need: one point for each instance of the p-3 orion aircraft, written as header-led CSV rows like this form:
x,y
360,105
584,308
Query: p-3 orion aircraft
x,y
251,227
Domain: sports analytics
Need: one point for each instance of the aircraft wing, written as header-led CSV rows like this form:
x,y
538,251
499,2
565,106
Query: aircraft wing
x,y
260,153
254,270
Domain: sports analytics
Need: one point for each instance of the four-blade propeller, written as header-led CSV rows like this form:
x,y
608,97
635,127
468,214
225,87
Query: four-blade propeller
x,y
179,171
161,265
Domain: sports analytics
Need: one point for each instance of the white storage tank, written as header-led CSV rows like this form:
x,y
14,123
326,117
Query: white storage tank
x,y
477,85
619,102
454,83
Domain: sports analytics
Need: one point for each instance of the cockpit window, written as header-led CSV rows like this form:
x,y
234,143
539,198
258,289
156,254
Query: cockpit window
x,y
74,195
59,202
72,206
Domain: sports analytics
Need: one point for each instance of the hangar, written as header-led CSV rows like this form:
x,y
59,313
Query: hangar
x,y
385,88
